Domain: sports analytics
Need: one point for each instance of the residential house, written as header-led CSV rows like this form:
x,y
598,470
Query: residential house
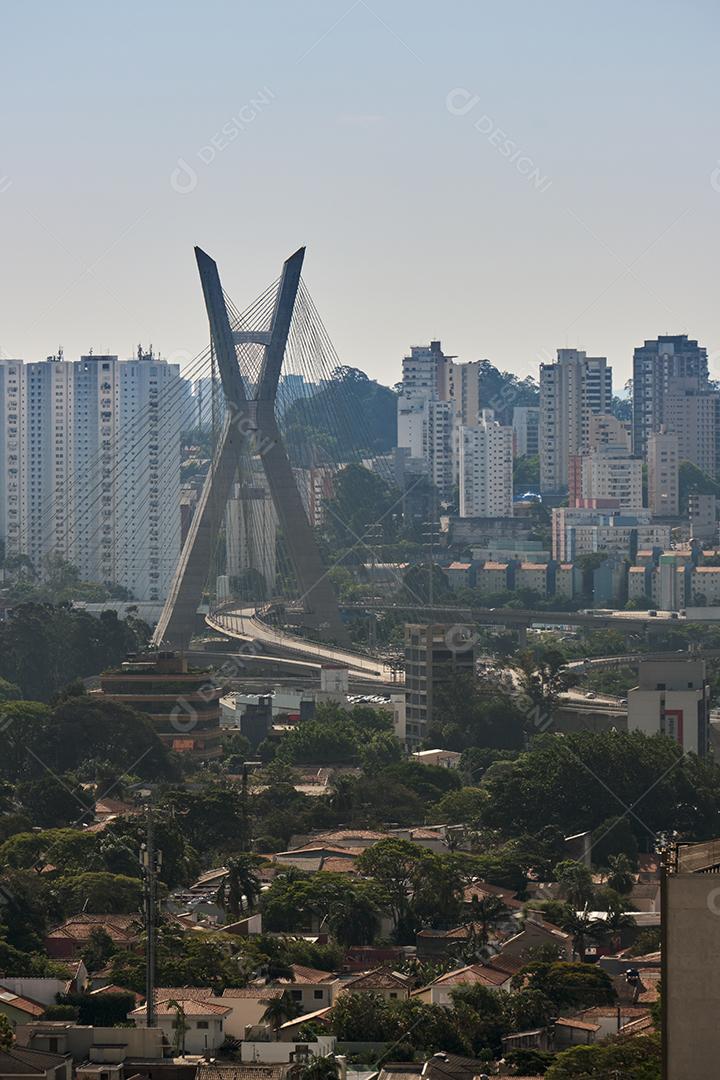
x,y
448,759
19,1010
311,989
611,1019
439,992
560,1035
25,1064
203,1021
69,939
390,985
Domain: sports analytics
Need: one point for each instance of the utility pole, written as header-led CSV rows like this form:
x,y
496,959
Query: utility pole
x,y
150,860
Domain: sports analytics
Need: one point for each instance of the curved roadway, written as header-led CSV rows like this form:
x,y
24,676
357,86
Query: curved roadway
x,y
245,624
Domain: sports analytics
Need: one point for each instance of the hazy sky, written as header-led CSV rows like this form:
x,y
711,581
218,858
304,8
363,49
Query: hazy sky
x,y
374,132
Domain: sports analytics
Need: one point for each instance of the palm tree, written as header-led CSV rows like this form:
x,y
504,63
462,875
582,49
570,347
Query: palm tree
x,y
240,883
180,1027
620,876
278,1010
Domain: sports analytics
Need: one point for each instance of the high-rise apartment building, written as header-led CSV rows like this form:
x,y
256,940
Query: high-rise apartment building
x,y
610,475
525,425
49,458
571,390
663,461
12,455
435,656
486,469
147,497
692,411
90,467
439,445
655,363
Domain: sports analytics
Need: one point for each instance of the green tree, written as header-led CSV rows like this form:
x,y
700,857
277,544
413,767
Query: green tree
x,y
361,1017
639,1058
242,882
543,678
100,893
99,949
9,691
620,874
278,1010
575,881
320,1068
7,1035
567,984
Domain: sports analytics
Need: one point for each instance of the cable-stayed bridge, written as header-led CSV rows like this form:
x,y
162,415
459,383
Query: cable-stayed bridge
x,y
280,332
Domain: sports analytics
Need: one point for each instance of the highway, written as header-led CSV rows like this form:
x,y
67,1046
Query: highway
x,y
245,624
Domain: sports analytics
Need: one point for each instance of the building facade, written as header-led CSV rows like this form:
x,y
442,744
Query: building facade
x,y
90,467
655,363
663,463
486,469
571,390
672,698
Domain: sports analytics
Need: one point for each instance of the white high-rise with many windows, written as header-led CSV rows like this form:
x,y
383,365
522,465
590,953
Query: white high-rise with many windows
x,y
486,469
571,390
90,467
12,455
49,457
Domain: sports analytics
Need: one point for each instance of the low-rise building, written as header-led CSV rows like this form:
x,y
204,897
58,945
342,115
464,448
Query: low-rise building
x,y
672,698
390,985
182,703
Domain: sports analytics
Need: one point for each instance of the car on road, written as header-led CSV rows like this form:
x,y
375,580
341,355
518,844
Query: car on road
x,y
591,694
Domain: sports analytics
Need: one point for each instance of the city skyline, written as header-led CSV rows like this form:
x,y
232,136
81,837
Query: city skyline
x,y
538,199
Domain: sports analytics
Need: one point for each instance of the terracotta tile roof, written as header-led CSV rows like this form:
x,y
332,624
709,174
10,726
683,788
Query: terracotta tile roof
x,y
21,1060
609,1012
318,850
253,993
484,974
644,1025
191,1007
250,1071
337,865
22,1004
121,928
199,993
349,834
115,806
580,1024
307,976
380,979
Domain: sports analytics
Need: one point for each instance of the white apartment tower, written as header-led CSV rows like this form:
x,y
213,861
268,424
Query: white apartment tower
x,y
12,455
486,469
571,390
147,497
663,460
93,511
49,456
90,467
610,473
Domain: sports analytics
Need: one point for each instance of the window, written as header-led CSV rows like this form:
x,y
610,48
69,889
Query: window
x,y
203,1024
317,994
